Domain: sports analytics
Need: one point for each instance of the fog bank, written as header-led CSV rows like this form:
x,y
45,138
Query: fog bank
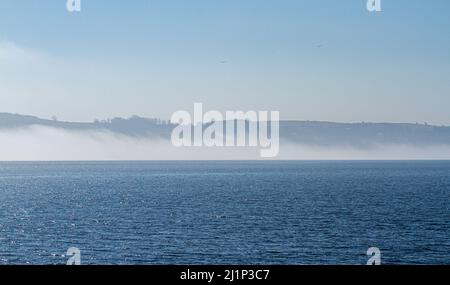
x,y
39,143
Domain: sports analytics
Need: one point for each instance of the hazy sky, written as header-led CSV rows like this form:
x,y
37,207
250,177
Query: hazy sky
x,y
311,60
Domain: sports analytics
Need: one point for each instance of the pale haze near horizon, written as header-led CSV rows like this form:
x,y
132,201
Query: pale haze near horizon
x,y
40,143
311,60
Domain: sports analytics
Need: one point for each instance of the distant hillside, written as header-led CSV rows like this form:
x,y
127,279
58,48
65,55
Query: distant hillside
x,y
134,126
364,134
304,132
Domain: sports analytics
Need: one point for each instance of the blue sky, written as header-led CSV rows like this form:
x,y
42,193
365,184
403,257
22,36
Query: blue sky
x,y
311,60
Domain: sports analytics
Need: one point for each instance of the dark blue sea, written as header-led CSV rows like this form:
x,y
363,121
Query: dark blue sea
x,y
225,212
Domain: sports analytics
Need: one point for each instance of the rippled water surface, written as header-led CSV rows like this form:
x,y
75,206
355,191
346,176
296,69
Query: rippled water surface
x,y
225,212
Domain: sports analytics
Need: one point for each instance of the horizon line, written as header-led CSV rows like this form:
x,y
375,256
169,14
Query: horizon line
x,y
108,120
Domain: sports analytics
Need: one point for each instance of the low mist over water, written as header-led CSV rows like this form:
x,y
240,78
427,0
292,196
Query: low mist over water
x,y
30,138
